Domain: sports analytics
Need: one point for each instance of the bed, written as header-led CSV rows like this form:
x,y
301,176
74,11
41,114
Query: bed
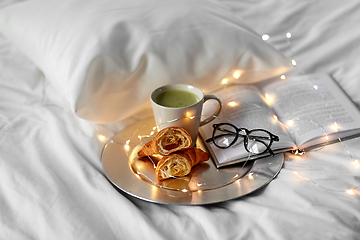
x,y
54,125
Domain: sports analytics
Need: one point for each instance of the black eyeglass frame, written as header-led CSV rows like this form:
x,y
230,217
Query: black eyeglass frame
x,y
246,137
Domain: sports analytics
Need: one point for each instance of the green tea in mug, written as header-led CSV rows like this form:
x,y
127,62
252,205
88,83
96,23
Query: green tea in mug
x,y
176,98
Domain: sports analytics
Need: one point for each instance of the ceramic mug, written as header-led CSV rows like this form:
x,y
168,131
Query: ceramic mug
x,y
187,117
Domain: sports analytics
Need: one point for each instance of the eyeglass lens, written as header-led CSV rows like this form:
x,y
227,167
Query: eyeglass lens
x,y
225,135
258,141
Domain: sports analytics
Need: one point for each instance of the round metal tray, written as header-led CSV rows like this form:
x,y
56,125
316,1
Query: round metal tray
x,y
205,184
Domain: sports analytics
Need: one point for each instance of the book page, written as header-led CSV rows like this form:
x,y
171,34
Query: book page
x,y
244,107
314,104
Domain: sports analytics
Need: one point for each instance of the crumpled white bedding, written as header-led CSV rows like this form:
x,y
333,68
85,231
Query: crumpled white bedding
x,y
52,184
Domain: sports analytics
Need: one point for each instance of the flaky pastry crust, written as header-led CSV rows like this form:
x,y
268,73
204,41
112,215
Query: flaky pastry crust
x,y
167,141
180,163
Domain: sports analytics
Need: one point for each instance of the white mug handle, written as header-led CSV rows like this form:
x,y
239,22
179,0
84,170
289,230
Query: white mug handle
x,y
217,111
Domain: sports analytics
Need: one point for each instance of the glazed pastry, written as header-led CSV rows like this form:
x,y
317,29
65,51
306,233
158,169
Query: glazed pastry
x,y
179,164
167,141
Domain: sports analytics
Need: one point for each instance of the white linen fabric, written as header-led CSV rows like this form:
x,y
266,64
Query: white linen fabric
x,y
106,57
52,184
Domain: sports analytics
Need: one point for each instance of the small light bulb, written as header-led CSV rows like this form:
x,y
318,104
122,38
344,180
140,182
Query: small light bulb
x,y
290,123
275,117
283,77
190,115
237,74
224,81
127,147
265,37
288,35
356,163
101,137
293,62
251,176
350,191
184,190
232,104
268,99
315,87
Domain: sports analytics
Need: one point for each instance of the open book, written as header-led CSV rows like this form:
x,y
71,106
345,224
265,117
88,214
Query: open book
x,y
304,111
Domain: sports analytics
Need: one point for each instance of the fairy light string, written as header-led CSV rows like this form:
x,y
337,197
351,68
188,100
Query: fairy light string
x,y
291,123
288,125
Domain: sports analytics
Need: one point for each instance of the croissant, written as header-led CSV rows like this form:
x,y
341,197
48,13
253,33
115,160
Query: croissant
x,y
166,141
179,164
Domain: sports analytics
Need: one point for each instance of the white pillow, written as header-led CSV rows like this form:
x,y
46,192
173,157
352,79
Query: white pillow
x,y
106,56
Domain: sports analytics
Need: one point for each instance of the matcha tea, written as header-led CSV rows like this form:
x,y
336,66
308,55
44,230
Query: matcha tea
x,y
176,98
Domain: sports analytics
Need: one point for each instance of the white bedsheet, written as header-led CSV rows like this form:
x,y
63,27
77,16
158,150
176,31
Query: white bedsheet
x,y
52,184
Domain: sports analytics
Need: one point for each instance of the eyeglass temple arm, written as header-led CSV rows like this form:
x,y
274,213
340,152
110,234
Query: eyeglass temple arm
x,y
273,137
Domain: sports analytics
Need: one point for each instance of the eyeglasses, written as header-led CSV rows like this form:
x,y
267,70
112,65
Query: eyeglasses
x,y
256,141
